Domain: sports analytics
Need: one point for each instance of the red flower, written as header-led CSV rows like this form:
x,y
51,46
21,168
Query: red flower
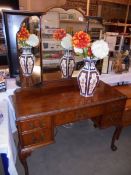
x,y
89,51
23,34
81,40
59,34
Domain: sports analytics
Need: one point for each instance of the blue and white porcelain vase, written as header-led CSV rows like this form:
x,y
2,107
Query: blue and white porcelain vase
x,y
88,78
67,64
26,61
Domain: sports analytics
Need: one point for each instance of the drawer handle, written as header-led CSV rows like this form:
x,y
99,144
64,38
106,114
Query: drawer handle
x,y
81,117
31,125
34,140
42,124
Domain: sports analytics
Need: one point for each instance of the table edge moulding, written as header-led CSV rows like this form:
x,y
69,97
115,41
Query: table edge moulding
x,y
37,114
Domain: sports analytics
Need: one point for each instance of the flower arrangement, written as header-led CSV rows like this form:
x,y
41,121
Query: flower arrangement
x,y
82,45
59,34
26,39
66,39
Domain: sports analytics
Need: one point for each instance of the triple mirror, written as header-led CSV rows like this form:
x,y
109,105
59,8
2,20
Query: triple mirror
x,y
49,51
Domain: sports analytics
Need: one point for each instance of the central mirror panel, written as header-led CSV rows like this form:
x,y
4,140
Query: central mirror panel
x,y
52,51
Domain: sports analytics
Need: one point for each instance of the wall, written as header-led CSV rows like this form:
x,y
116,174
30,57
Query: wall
x,y
108,10
39,5
77,4
114,12
43,5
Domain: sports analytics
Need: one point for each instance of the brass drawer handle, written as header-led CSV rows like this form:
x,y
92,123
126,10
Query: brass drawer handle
x,y
80,117
31,125
42,124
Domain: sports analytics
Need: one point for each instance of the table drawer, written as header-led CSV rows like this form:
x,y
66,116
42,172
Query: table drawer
x,y
112,119
78,115
114,106
41,136
38,122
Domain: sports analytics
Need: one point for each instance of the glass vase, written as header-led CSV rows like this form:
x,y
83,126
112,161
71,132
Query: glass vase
x,y
88,78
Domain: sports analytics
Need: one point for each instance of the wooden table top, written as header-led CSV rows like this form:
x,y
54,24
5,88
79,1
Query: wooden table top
x,y
60,96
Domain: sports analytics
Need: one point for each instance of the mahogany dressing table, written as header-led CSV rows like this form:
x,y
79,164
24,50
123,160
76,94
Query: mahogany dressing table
x,y
40,109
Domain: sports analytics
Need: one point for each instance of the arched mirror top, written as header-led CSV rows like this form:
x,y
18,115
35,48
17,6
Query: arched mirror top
x,y
71,13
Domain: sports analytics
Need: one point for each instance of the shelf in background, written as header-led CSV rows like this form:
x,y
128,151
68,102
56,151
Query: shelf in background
x,y
117,24
72,21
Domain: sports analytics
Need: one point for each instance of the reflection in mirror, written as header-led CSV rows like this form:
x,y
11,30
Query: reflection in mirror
x,y
28,44
52,51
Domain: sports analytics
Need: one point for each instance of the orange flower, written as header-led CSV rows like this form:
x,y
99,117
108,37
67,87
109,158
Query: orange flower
x,y
23,34
59,34
81,40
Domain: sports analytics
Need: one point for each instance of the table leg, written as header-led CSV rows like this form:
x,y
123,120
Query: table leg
x,y
5,163
116,136
23,156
